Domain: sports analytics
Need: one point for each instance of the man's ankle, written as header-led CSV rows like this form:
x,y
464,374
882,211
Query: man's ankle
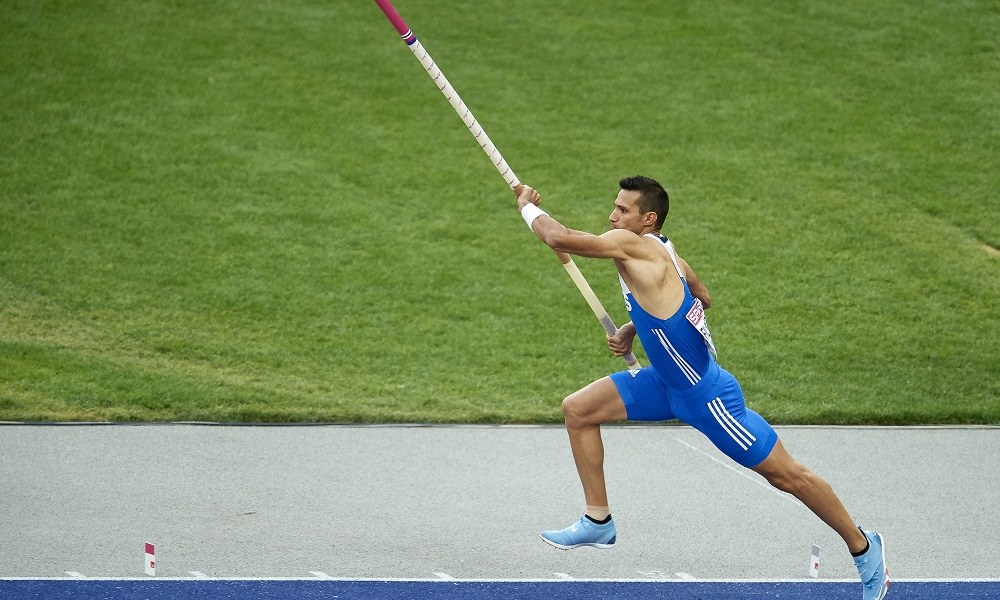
x,y
598,514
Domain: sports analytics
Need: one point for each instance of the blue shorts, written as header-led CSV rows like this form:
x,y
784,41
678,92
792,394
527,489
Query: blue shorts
x,y
715,407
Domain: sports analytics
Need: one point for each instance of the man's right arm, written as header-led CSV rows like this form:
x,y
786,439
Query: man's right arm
x,y
616,243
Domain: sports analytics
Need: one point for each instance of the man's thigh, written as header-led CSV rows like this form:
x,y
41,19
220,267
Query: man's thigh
x,y
643,395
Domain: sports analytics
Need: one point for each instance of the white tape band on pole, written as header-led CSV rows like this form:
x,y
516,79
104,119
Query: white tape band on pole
x,y
463,111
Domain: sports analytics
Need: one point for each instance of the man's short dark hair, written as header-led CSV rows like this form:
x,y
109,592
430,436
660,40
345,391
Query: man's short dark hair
x,y
652,196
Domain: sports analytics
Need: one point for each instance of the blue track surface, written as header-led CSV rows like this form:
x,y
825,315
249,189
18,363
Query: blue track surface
x,y
50,589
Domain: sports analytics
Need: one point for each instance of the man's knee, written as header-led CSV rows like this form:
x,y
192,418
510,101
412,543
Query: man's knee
x,y
578,412
572,413
595,404
792,478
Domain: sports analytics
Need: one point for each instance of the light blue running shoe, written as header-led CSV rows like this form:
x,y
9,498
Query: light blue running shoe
x,y
583,533
871,566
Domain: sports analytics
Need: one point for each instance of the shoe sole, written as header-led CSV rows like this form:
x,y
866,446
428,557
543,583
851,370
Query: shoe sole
x,y
570,547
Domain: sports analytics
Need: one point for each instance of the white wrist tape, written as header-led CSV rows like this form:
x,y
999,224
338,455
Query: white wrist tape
x,y
530,212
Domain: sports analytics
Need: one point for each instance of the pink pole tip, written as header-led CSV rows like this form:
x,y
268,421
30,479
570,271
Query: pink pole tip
x,y
393,16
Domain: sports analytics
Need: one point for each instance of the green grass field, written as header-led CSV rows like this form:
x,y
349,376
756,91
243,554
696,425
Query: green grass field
x,y
265,211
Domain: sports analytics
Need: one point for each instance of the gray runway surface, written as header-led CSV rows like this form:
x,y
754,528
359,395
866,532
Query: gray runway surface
x,y
469,502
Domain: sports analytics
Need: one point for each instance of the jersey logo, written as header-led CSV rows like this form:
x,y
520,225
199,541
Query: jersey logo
x,y
696,316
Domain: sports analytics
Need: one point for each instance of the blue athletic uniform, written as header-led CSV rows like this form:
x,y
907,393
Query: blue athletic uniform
x,y
684,381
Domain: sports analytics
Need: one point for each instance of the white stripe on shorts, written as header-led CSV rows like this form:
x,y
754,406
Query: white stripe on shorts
x,y
740,435
738,425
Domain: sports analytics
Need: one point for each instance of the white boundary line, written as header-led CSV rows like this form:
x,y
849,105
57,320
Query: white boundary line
x,y
456,425
500,580
743,474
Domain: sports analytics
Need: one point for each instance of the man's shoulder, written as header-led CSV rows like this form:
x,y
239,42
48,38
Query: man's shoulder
x,y
622,236
635,245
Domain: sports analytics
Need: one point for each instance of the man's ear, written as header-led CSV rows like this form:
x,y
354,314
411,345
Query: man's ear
x,y
649,219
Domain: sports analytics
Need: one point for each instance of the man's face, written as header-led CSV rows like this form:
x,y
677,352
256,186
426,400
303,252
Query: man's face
x,y
627,214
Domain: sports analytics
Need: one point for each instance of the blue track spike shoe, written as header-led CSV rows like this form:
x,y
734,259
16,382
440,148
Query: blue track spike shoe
x,y
871,566
583,533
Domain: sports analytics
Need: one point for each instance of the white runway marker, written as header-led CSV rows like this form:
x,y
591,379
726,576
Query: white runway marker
x,y
150,560
685,576
564,576
742,474
814,563
444,576
320,575
653,574
726,580
198,575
